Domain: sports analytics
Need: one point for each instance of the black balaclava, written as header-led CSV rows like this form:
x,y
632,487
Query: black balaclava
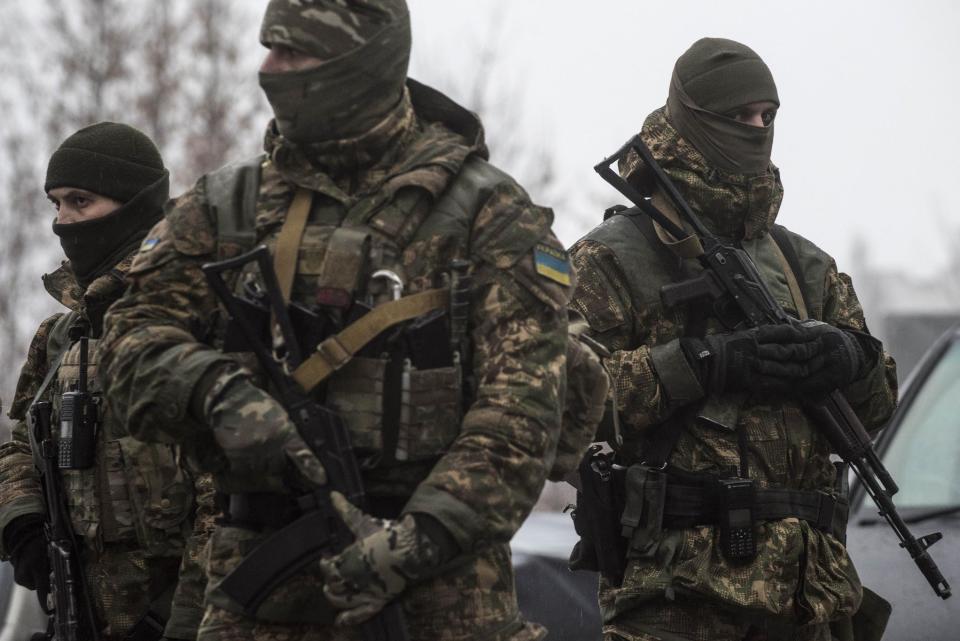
x,y
119,162
712,78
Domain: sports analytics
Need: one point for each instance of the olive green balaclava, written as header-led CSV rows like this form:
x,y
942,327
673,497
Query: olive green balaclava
x,y
712,78
119,162
365,46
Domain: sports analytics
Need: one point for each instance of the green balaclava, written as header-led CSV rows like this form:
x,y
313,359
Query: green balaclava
x,y
365,49
712,78
118,162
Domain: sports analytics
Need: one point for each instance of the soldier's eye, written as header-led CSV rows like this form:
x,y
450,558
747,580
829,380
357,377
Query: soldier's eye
x,y
768,117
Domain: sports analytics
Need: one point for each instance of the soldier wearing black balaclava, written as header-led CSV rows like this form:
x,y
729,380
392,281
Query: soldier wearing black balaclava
x,y
131,506
702,406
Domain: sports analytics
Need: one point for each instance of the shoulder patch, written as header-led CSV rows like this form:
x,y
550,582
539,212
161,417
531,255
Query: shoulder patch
x,y
552,263
148,244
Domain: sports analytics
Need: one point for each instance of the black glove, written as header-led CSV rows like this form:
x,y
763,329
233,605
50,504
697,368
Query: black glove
x,y
819,357
728,362
24,541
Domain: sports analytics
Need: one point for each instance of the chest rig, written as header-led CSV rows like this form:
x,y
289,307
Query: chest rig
x,y
378,296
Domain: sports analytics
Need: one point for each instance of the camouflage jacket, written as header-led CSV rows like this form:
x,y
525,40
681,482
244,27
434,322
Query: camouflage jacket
x,y
801,574
477,473
132,509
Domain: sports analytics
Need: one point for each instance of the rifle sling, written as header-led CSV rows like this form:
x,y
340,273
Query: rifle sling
x,y
50,374
338,350
288,242
791,269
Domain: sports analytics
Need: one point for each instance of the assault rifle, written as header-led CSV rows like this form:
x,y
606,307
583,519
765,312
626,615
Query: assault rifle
x,y
69,606
319,531
731,282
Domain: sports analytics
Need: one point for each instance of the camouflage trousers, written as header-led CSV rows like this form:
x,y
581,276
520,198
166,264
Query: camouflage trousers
x,y
697,620
220,625
474,600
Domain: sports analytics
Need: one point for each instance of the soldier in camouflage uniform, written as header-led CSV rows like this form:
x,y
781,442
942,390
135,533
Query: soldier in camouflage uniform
x,y
454,444
131,511
710,403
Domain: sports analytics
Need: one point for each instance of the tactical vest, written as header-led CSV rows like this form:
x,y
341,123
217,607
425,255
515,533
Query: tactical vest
x,y
135,494
405,410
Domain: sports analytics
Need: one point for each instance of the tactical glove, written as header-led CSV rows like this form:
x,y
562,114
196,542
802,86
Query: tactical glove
x,y
819,357
727,362
25,543
260,442
386,556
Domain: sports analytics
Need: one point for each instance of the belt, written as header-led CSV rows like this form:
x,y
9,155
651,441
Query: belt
x,y
690,505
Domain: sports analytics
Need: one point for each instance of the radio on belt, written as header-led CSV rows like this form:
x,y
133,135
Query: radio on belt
x,y
736,505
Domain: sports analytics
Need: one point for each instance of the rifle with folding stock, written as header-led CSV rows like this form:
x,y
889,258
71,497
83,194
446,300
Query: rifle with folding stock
x,y
69,606
731,282
319,531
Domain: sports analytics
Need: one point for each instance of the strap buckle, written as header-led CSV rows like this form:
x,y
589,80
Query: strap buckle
x,y
333,352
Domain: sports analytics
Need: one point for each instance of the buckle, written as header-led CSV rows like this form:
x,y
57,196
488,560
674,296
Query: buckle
x,y
334,354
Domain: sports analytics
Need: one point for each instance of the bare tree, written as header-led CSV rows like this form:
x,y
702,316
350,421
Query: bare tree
x,y
490,89
222,96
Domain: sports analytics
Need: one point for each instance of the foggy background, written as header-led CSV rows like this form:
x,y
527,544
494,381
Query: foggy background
x,y
866,137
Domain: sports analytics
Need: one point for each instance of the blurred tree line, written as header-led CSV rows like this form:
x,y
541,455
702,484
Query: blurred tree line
x,y
183,71
177,69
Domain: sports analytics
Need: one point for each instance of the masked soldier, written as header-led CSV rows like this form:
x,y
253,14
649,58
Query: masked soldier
x,y
373,190
130,504
701,404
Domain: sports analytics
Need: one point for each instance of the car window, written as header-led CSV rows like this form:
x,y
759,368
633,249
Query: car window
x,y
924,456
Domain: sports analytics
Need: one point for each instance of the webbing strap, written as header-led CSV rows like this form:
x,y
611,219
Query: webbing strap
x,y
686,506
288,242
50,374
791,269
337,350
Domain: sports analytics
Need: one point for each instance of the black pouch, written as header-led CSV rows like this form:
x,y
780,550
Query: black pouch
x,y
642,518
600,502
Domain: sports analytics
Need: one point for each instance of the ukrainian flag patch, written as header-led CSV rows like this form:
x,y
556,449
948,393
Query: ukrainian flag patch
x,y
552,263
149,244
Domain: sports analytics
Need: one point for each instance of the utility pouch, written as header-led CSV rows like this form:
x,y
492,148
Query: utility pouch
x,y
642,518
596,518
736,504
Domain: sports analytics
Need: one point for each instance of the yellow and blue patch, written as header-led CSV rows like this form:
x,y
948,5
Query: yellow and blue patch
x,y
149,244
552,263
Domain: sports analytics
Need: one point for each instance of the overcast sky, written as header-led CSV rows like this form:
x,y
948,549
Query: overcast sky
x,y
867,136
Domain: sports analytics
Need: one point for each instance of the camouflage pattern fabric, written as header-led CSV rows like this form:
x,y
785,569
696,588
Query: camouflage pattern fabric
x,y
131,510
377,567
186,609
684,619
801,575
730,205
365,49
478,475
327,28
